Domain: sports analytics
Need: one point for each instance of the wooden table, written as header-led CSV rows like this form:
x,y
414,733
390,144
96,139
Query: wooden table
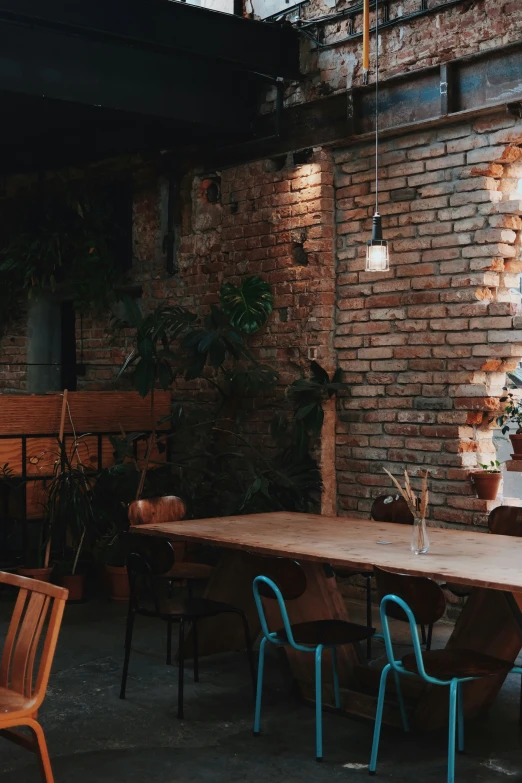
x,y
491,620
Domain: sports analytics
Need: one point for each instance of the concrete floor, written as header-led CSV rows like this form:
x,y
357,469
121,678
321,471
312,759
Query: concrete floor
x,y
94,737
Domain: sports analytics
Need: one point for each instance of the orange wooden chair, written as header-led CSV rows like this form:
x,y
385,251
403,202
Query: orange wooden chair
x,y
33,633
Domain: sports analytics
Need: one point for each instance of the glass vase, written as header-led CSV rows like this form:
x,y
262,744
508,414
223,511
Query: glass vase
x,y
420,542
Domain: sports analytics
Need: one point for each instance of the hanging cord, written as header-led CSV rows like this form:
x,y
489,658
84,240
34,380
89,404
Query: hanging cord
x,y
376,106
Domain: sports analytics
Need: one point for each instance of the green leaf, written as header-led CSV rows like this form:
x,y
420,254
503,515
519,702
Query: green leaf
x,y
164,375
303,412
249,305
146,349
319,374
144,377
278,426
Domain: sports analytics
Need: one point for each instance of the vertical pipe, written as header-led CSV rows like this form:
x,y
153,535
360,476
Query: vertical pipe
x,y
366,39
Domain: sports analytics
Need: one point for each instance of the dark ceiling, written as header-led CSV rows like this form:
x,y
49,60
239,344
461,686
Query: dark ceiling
x,y
83,81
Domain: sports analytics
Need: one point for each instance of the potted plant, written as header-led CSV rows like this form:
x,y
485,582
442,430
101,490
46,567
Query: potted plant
x,y
512,414
110,552
209,342
69,509
114,489
487,480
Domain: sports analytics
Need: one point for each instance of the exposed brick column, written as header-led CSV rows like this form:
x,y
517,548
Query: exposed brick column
x,y
427,344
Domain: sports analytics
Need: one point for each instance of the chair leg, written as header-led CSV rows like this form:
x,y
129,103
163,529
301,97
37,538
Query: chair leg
x,y
378,719
250,652
259,690
195,649
460,719
369,615
169,642
520,707
335,672
400,699
181,667
318,703
128,643
430,634
452,728
423,634
42,753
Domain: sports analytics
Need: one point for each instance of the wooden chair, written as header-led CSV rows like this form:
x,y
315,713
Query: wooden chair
x,y
424,597
507,521
284,580
385,508
33,632
446,668
151,511
148,564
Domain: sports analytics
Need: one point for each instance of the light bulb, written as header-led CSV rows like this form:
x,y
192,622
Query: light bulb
x,y
377,257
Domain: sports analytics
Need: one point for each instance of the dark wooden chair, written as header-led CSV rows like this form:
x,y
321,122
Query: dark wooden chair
x,y
385,508
424,597
284,580
150,560
184,572
507,521
26,663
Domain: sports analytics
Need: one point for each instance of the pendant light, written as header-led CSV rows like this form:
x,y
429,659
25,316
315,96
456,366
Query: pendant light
x,y
377,256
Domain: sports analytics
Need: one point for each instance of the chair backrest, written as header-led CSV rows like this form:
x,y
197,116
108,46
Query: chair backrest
x,y
391,508
390,606
424,597
150,511
148,559
506,521
282,580
32,634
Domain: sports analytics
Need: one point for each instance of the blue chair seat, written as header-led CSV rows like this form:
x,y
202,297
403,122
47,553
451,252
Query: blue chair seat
x,y
447,664
326,632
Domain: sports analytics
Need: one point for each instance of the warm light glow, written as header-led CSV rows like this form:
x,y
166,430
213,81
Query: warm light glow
x,y
377,258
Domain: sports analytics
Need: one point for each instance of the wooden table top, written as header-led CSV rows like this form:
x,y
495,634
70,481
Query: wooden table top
x,y
459,556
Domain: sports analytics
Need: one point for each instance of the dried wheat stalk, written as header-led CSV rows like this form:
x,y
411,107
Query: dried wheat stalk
x,y
418,507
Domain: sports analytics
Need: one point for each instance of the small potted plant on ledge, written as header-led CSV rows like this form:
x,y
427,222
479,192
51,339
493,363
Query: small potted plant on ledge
x,y
512,414
487,480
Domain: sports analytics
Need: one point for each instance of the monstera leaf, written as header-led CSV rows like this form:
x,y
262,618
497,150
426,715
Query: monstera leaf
x,y
248,306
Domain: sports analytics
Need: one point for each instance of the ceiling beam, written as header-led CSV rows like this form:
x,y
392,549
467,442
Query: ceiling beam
x,y
451,92
271,49
45,63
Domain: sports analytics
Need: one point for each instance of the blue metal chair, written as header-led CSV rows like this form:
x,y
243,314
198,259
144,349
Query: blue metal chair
x,y
449,667
308,637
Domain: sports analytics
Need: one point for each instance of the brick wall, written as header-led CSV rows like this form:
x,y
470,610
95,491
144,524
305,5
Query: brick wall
x,y
408,46
13,352
272,221
426,345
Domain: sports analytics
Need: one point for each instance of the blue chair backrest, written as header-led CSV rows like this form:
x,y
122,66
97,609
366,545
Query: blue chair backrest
x,y
396,665
262,583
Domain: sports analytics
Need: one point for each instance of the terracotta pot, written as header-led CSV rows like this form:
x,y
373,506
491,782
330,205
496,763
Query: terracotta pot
x,y
516,442
151,511
75,584
42,574
486,484
117,582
